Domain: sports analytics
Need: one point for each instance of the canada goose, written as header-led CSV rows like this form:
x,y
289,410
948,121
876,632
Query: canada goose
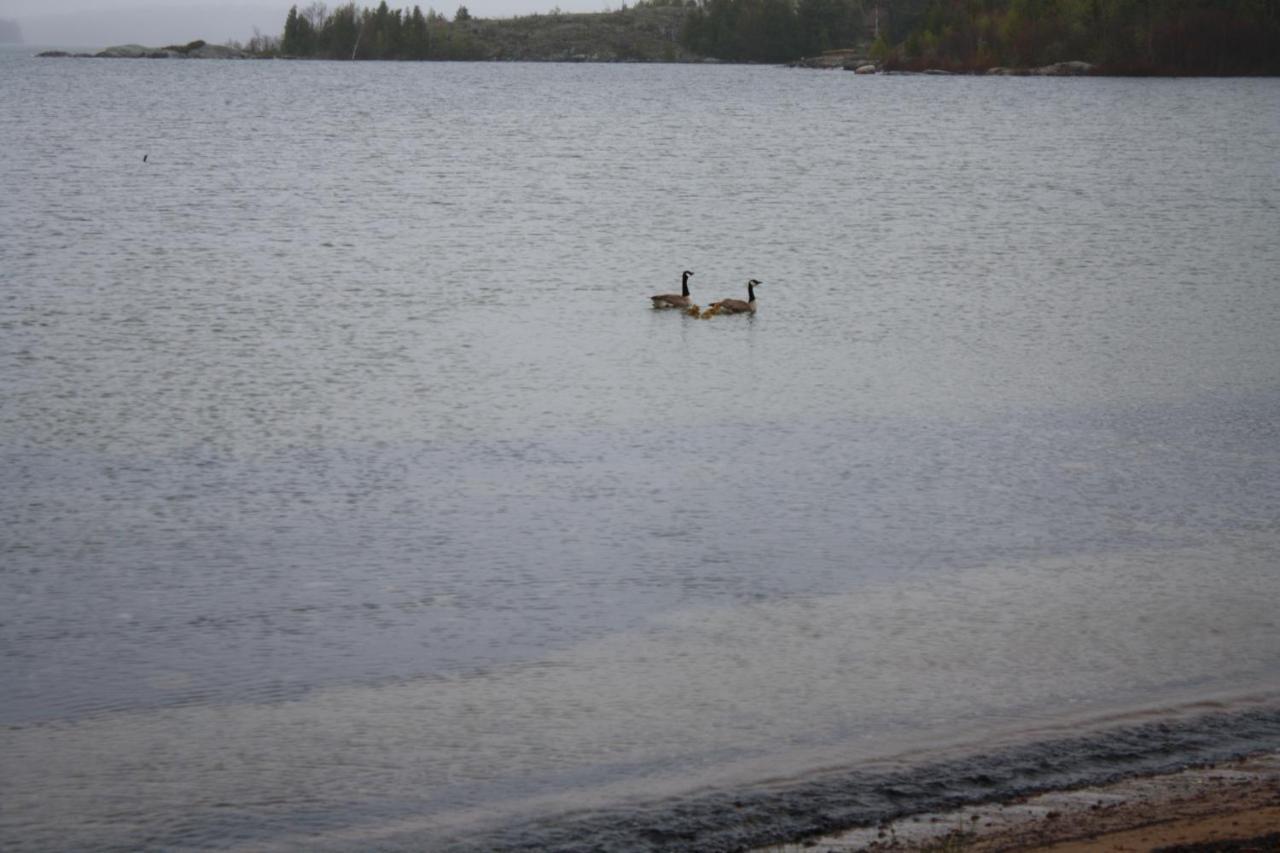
x,y
737,306
675,300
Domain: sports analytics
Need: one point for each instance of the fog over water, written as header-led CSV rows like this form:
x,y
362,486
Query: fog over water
x,y
353,494
92,25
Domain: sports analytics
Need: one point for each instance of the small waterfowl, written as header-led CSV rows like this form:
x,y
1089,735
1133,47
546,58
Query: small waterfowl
x,y
737,306
675,300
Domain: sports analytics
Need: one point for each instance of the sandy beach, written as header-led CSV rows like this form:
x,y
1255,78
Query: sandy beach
x,y
1228,806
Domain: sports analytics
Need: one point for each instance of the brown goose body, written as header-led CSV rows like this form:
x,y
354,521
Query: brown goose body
x,y
675,300
737,306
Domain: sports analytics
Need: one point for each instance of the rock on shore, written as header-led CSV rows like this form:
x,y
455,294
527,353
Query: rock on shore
x,y
1057,69
848,60
194,50
1232,806
857,61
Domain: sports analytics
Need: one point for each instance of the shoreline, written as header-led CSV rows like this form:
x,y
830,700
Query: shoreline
x,y
1220,806
848,61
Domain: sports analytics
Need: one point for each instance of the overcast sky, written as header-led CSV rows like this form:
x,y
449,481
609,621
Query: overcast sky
x,y
101,23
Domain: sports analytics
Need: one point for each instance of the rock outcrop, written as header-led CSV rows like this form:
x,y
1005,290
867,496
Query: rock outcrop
x,y
849,59
1057,69
194,50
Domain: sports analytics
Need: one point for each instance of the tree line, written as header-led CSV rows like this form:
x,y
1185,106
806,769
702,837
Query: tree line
x,y
1203,37
772,30
1118,36
379,33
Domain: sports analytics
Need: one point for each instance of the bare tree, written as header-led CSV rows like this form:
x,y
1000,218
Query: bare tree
x,y
315,15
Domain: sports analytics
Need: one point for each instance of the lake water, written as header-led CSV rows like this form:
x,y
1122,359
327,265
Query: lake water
x,y
354,497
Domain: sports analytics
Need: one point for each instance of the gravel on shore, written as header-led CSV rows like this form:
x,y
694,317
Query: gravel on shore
x,y
1229,806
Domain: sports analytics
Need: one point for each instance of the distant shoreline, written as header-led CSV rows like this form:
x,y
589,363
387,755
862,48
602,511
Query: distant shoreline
x,y
835,61
1235,40
198,49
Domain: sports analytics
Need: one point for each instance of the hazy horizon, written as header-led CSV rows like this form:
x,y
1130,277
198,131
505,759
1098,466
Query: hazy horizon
x,y
101,23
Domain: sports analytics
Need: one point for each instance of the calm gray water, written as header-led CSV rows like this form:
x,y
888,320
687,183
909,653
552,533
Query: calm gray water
x,y
352,496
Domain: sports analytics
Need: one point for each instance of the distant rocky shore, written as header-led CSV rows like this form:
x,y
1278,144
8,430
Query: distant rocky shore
x,y
859,63
848,60
193,50
1074,68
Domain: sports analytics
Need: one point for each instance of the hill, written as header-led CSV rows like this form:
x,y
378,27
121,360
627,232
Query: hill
x,y
640,34
644,33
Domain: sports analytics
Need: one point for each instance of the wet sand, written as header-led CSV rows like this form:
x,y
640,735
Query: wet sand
x,y
1198,809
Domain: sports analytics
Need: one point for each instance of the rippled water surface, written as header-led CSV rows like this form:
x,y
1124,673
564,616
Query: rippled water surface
x,y
352,494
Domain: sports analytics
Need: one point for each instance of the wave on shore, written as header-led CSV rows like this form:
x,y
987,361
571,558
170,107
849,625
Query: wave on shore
x,y
784,811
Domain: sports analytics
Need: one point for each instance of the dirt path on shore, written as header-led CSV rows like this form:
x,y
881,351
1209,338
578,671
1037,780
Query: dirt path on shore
x,y
1199,809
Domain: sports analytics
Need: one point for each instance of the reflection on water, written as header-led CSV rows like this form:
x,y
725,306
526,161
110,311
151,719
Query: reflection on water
x,y
353,491
307,568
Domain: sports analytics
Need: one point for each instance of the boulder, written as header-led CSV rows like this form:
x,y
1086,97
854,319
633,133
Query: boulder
x,y
216,51
865,69
1065,69
848,59
1057,69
